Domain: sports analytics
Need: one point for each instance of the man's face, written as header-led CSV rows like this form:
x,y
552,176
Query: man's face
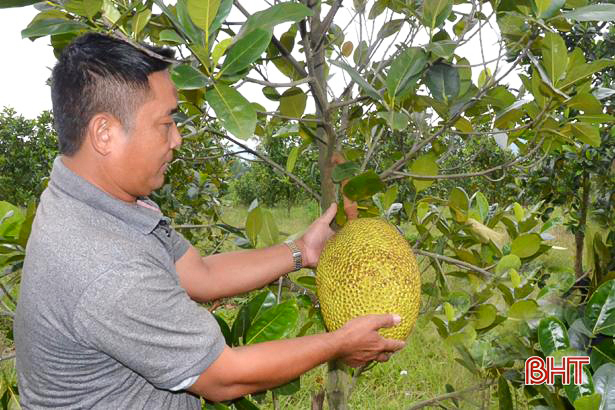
x,y
142,155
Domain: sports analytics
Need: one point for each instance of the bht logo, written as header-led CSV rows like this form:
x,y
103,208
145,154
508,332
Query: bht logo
x,y
539,372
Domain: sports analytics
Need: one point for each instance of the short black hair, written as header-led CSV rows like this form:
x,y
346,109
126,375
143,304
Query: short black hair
x,y
97,73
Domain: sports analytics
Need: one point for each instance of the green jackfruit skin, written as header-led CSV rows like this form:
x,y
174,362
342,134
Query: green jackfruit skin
x,y
369,268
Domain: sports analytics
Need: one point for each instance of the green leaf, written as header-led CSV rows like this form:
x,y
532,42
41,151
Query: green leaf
x,y
292,159
595,12
604,383
484,76
275,323
293,102
308,282
389,197
245,51
226,331
17,3
458,199
354,74
526,245
554,56
580,72
508,262
289,388
41,28
203,13
435,12
552,335
482,206
277,14
345,171
85,8
363,186
443,81
424,165
600,310
139,21
186,77
405,71
223,11
396,120
588,133
523,310
585,102
244,404
596,118
269,232
545,9
603,352
442,49
390,27
26,226
360,53
254,224
235,113
220,50
485,316
591,402
586,388
261,302
519,212
504,396
171,36
11,219
194,33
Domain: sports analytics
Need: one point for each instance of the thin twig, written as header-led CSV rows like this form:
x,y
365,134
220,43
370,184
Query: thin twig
x,y
8,295
269,84
399,175
485,273
267,160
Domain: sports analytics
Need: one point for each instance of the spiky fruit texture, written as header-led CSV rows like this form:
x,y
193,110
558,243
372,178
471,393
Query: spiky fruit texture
x,y
369,268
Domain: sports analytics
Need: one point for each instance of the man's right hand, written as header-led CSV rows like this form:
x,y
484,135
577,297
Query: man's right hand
x,y
361,343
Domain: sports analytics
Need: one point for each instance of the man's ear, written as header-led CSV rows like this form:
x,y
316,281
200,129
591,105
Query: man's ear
x,y
101,132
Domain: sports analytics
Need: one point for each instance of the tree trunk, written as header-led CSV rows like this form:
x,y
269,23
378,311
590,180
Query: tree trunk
x,y
338,386
579,236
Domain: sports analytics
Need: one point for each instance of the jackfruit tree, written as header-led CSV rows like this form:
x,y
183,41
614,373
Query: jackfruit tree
x,y
395,88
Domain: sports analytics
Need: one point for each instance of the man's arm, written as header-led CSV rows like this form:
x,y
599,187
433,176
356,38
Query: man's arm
x,y
249,369
232,273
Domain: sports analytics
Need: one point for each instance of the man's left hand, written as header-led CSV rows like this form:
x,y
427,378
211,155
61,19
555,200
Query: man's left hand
x,y
313,240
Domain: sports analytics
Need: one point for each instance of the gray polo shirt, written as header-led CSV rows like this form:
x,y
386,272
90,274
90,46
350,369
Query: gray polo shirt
x,y
102,321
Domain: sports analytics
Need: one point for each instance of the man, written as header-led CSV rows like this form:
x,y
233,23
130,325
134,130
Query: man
x,y
107,316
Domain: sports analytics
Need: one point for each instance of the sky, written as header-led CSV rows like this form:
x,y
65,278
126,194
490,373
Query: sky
x,y
27,63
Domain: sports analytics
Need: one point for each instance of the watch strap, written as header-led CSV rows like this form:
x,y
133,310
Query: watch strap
x,y
297,256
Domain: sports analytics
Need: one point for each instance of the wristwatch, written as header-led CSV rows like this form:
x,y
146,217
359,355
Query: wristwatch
x,y
297,257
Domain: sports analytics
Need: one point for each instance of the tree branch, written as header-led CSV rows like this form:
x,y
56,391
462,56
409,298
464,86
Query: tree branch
x,y
268,84
321,34
449,396
484,273
267,160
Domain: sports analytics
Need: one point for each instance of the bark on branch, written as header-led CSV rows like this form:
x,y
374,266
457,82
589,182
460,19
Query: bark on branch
x,y
266,159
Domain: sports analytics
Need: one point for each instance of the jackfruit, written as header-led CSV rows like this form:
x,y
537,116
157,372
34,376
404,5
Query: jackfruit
x,y
367,267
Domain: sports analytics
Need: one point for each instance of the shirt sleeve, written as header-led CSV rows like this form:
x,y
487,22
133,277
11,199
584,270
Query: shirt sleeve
x,y
179,245
137,314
